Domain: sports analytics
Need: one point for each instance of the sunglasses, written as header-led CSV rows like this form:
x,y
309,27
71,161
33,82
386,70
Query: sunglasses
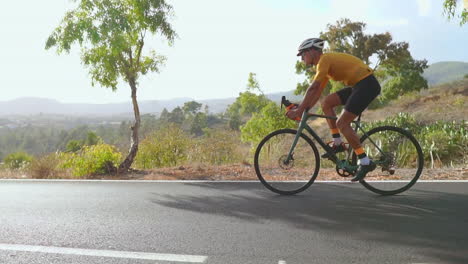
x,y
302,52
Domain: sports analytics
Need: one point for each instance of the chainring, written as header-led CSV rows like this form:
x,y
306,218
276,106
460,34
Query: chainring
x,y
343,172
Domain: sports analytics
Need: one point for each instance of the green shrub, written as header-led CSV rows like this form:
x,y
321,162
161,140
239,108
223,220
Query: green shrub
x,y
74,146
444,142
403,120
92,160
17,160
270,118
165,147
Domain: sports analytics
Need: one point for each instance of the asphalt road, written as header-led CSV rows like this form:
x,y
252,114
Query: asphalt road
x,y
215,222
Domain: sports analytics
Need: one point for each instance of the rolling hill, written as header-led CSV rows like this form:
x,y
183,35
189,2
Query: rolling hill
x,y
446,71
436,74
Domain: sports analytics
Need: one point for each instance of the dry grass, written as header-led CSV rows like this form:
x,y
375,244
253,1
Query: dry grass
x,y
443,102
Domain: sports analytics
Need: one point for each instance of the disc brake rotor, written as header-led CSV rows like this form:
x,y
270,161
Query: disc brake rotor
x,y
286,165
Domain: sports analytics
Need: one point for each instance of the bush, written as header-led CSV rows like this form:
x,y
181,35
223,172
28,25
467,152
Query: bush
x,y
166,147
216,147
46,167
92,160
444,142
270,118
18,160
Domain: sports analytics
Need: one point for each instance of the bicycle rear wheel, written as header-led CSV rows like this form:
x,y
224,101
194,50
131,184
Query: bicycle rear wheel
x,y
399,164
284,177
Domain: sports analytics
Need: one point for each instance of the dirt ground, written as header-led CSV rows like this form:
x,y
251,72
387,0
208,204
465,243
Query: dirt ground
x,y
240,172
236,172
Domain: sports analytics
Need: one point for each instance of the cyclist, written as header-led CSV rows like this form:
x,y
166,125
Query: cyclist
x,y
362,88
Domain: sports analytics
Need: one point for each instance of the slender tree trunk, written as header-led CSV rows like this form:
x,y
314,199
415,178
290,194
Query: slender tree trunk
x,y
134,141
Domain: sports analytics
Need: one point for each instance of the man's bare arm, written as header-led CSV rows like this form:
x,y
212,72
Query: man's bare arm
x,y
311,97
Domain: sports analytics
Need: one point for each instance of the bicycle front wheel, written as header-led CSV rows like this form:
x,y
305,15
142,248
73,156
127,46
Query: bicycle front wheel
x,y
398,156
282,176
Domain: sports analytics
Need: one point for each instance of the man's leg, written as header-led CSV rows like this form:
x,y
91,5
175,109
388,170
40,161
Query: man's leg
x,y
344,125
328,105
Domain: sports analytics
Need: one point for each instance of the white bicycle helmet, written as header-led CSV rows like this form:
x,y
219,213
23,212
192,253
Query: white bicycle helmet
x,y
310,43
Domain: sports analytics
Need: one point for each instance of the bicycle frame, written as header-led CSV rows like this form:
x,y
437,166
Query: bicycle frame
x,y
342,164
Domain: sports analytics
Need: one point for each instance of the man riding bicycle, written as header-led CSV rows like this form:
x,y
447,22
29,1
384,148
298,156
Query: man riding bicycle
x,y
362,88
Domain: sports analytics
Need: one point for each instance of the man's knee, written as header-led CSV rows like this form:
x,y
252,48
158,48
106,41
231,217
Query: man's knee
x,y
342,124
330,102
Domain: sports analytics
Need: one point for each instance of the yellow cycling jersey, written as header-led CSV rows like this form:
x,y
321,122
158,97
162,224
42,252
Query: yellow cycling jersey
x,y
341,67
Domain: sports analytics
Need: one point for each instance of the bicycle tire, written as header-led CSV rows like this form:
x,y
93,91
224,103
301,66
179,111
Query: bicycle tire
x,y
269,183
418,161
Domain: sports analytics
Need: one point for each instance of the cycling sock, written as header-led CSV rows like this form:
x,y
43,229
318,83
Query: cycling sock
x,y
336,136
363,159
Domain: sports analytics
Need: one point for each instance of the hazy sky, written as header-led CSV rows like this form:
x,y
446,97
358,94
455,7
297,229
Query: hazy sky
x,y
220,43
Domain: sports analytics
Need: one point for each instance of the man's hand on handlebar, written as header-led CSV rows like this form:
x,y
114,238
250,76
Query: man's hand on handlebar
x,y
294,113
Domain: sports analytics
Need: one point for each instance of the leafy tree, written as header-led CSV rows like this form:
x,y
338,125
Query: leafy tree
x,y
177,116
165,115
246,103
234,121
270,118
450,7
198,124
112,35
393,58
191,108
252,83
466,76
403,78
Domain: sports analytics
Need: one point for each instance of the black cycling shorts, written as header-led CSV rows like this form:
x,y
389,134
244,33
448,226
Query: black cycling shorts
x,y
357,98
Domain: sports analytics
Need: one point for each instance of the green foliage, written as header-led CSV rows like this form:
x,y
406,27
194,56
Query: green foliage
x,y
111,35
450,7
177,116
403,120
269,119
234,121
216,147
91,160
252,83
403,78
199,122
165,147
191,108
92,139
246,103
77,145
446,142
18,160
74,146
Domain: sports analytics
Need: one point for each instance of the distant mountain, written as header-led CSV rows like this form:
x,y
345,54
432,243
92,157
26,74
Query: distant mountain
x,y
437,73
32,106
446,71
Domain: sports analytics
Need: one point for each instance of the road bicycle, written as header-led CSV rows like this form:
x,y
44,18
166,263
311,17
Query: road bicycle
x,y
287,161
